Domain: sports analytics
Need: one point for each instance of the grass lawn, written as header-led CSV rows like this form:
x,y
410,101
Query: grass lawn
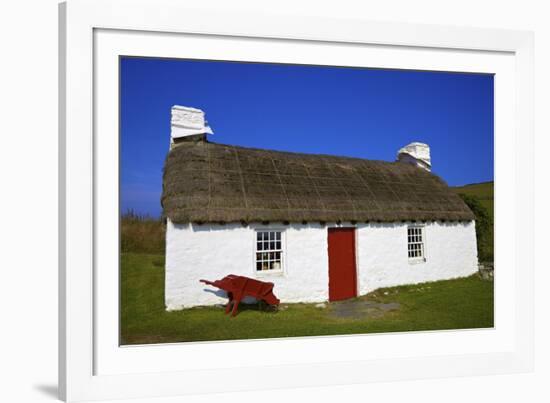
x,y
452,304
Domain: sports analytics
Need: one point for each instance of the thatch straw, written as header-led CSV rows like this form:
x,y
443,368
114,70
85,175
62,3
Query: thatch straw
x,y
215,183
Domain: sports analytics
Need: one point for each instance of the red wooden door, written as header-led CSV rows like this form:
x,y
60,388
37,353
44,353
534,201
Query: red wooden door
x,y
342,273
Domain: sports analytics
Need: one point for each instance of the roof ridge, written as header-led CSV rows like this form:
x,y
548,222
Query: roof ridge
x,y
295,153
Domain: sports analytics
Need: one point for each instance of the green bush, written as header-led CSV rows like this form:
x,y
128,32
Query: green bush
x,y
484,227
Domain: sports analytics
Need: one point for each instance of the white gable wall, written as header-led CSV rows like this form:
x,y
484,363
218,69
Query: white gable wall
x,y
195,252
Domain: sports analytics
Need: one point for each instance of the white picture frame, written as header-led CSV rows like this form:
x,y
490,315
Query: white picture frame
x,y
91,367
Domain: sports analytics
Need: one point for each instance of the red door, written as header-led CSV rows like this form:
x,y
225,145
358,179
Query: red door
x,y
342,274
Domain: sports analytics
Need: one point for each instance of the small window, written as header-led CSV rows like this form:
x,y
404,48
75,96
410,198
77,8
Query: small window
x,y
415,243
269,251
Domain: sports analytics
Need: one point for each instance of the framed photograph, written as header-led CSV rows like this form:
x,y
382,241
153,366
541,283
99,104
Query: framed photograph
x,y
341,201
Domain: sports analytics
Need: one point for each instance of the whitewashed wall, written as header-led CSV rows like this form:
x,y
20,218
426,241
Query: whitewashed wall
x,y
211,252
450,251
214,251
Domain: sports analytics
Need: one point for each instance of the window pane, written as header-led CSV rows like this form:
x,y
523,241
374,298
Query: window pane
x,y
267,242
415,245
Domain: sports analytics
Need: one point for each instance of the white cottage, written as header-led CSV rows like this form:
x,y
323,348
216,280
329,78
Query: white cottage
x,y
320,227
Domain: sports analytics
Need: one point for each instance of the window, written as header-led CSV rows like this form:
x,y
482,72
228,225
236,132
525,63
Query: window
x,y
269,251
415,243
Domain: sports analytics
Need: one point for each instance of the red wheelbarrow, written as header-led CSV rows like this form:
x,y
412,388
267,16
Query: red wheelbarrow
x,y
238,287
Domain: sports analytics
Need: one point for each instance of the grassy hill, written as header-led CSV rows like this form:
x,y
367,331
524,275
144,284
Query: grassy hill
x,y
484,192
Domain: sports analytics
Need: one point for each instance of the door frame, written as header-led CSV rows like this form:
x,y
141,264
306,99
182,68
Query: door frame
x,y
356,250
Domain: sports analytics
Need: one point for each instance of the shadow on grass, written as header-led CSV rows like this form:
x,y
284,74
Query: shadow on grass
x,y
256,307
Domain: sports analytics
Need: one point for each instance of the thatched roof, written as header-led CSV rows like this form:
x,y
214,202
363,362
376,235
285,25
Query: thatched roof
x,y
208,182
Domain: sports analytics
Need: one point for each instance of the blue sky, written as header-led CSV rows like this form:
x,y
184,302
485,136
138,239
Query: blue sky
x,y
365,113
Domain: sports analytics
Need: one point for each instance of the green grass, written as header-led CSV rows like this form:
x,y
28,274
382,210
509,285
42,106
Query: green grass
x,y
452,304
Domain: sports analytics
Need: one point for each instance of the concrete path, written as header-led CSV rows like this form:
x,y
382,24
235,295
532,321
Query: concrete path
x,y
358,309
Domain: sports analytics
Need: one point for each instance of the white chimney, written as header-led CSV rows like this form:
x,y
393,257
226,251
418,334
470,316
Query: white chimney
x,y
417,154
186,122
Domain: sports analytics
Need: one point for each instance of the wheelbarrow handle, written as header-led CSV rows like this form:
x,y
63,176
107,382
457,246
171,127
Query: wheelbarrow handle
x,y
207,282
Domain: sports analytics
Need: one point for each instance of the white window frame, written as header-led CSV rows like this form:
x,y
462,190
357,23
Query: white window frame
x,y
282,250
421,242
